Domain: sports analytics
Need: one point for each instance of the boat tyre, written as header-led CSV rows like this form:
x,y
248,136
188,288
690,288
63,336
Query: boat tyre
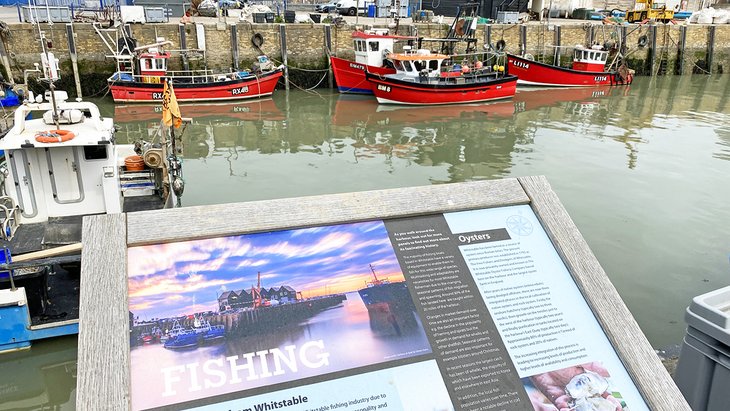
x,y
257,40
501,44
643,40
54,136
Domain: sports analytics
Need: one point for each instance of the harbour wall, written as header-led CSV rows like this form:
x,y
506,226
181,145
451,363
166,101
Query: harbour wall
x,y
665,49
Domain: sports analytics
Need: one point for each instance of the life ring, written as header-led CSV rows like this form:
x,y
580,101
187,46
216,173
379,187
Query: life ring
x,y
257,40
54,136
643,40
501,44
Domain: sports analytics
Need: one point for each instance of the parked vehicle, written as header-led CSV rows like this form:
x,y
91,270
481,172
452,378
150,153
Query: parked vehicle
x,y
351,7
329,7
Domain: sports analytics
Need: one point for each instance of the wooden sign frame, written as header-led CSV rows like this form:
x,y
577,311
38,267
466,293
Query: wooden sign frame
x,y
103,380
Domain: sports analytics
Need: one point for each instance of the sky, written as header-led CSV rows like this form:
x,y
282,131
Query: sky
x,y
168,280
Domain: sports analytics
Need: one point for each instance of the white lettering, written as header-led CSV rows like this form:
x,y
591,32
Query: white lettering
x,y
169,379
221,376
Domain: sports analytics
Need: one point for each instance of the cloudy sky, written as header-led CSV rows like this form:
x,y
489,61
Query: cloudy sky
x,y
181,278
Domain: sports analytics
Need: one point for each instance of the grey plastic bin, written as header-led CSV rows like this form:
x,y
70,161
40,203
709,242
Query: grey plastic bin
x,y
703,371
155,15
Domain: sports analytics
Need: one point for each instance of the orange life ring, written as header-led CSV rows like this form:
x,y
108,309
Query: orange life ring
x,y
54,136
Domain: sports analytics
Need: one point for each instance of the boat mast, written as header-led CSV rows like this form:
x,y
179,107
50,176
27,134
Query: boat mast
x,y
47,71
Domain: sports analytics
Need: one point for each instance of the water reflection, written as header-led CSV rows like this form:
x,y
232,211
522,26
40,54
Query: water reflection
x,y
43,377
639,168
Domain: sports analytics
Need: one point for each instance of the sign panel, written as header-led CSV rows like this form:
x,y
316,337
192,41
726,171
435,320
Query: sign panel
x,y
458,311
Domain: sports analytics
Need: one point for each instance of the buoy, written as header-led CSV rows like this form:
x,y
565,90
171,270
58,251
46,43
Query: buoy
x,y
465,69
478,65
501,44
54,136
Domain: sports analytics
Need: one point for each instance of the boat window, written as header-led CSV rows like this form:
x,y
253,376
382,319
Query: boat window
x,y
160,64
146,64
398,65
433,64
359,45
95,152
420,65
408,66
374,46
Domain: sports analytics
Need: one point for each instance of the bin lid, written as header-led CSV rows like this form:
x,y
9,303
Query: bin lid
x,y
710,313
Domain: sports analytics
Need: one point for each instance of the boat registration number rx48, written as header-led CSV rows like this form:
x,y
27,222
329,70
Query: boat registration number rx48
x,y
239,90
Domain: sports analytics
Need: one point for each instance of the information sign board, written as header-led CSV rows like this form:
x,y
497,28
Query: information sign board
x,y
458,306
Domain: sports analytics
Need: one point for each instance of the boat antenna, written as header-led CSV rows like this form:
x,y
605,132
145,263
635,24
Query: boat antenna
x,y
374,274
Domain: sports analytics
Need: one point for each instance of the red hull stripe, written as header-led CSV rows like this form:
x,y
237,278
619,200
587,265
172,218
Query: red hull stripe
x,y
536,73
123,91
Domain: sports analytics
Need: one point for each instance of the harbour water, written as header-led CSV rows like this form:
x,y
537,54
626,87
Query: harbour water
x,y
643,172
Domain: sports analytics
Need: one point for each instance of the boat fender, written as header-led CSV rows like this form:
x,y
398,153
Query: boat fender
x,y
257,40
501,44
643,40
54,136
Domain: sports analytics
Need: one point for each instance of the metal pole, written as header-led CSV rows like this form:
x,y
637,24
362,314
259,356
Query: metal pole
x,y
74,57
184,46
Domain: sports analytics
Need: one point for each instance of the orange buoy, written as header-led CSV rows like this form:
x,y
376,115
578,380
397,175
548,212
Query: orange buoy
x,y
134,163
54,136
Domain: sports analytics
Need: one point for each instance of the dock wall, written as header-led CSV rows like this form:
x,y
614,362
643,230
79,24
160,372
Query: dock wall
x,y
668,49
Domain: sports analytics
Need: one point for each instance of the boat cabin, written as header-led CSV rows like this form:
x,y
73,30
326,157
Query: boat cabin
x,y
589,59
59,178
153,65
372,46
419,64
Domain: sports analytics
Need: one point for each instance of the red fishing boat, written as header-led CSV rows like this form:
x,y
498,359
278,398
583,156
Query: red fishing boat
x,y
151,63
425,78
371,48
588,69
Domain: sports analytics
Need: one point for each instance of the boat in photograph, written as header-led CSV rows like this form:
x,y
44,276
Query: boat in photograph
x,y
63,163
380,290
588,69
142,72
423,78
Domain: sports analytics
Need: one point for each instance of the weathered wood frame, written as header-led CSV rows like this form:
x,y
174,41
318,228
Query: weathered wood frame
x,y
104,360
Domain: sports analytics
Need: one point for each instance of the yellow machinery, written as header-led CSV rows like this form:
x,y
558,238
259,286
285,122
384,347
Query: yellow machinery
x,y
650,9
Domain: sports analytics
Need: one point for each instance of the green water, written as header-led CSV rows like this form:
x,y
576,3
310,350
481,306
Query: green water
x,y
644,173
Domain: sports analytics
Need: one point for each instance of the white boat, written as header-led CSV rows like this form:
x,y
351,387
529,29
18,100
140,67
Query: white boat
x,y
60,165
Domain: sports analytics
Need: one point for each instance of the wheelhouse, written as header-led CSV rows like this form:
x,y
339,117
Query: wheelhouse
x,y
589,59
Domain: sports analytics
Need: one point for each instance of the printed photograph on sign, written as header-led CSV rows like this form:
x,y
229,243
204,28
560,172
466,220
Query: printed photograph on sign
x,y
223,315
585,387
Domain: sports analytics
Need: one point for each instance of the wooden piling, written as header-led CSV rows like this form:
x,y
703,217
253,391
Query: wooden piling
x,y
183,46
681,46
74,57
328,47
710,47
558,35
282,37
652,49
523,40
234,45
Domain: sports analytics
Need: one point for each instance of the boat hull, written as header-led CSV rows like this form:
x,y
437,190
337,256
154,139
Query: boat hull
x,y
534,73
238,89
392,293
394,91
350,76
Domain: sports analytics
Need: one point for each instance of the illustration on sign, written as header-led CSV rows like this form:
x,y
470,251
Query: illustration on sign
x,y
229,314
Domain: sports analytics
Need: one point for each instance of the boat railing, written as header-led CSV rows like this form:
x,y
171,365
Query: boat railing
x,y
8,217
205,76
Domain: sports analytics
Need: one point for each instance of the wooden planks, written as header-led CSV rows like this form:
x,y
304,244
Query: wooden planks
x,y
103,359
228,219
639,358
